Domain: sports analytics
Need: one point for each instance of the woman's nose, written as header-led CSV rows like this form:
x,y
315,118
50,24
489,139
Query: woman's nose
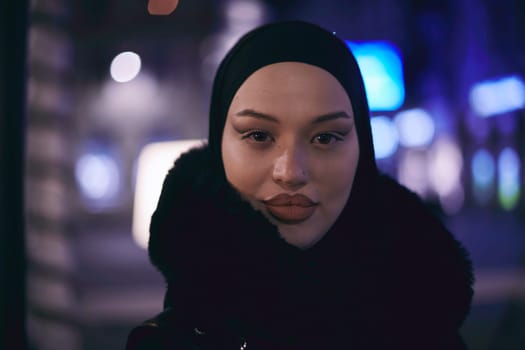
x,y
289,170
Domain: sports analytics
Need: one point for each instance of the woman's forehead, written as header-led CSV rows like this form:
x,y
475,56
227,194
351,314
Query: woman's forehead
x,y
291,71
289,87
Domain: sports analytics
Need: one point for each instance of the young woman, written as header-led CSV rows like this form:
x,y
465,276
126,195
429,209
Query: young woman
x,y
280,233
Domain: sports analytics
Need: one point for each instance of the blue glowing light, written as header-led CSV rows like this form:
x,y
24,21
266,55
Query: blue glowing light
x,y
494,97
382,69
97,176
508,178
385,138
483,171
416,127
483,168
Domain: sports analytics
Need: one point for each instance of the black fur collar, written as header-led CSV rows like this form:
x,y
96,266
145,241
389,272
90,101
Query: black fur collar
x,y
388,265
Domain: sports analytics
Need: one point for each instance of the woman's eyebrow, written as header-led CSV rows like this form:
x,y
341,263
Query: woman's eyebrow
x,y
322,118
254,114
331,116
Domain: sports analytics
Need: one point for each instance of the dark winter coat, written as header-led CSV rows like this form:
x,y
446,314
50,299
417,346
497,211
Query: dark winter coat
x,y
388,275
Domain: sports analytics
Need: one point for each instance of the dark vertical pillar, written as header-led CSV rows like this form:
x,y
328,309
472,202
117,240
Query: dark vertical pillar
x,y
13,34
54,313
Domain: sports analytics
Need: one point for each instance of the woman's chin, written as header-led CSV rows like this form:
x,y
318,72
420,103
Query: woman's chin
x,y
301,235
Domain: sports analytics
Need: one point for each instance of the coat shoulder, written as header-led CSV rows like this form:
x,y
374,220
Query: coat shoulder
x,y
163,332
430,265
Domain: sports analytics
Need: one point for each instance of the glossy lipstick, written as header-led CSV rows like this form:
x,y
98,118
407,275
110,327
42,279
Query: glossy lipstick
x,y
290,209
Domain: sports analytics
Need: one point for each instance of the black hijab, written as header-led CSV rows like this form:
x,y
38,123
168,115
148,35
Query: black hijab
x,y
294,41
277,290
297,41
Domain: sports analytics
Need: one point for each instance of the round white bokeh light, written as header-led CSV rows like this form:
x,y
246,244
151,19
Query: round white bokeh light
x,y
98,177
416,127
385,137
125,67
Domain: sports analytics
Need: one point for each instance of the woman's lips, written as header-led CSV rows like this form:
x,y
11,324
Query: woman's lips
x,y
291,214
291,209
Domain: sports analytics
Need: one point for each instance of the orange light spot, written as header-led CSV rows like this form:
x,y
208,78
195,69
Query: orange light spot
x,y
162,7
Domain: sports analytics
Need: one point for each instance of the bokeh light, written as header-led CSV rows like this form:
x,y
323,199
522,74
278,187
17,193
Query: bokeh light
x,y
508,178
153,164
245,12
124,105
125,67
445,167
385,137
494,97
240,16
382,69
415,127
412,171
98,177
162,7
483,170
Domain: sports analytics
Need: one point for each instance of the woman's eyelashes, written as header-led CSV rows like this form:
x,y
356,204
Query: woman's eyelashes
x,y
257,136
325,138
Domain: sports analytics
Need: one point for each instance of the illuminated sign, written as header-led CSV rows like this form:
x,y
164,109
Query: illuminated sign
x,y
382,69
493,97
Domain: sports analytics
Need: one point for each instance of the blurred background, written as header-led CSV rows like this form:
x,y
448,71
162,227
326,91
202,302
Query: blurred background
x,y
446,83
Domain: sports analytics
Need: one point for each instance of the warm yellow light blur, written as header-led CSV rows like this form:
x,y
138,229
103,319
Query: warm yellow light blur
x,y
153,164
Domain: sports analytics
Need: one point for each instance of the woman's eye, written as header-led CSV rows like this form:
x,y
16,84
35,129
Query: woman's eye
x,y
258,136
326,139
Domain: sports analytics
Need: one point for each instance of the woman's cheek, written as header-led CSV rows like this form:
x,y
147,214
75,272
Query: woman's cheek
x,y
245,174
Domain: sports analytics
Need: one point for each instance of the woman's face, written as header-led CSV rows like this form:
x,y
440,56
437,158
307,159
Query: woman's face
x,y
290,148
